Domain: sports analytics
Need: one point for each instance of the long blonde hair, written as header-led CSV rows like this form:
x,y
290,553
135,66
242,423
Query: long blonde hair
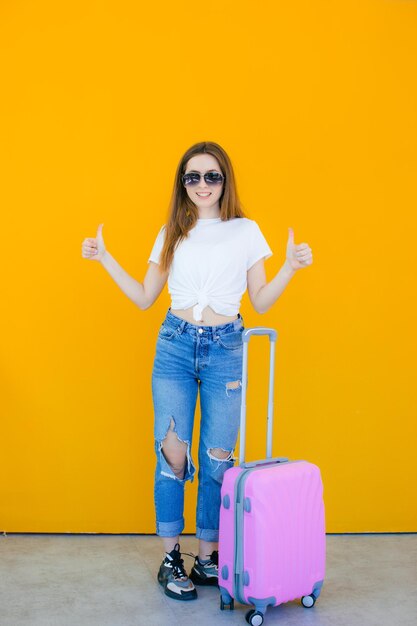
x,y
183,213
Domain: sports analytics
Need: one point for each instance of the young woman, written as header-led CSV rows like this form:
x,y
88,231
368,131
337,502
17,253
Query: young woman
x,y
209,253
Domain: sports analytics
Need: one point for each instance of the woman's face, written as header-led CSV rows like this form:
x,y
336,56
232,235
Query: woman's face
x,y
203,163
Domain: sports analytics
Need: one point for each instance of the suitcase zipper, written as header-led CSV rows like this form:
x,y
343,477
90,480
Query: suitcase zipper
x,y
238,579
238,529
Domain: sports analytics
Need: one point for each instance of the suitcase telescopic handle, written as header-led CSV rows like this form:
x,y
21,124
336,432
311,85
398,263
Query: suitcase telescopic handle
x,y
260,330
247,334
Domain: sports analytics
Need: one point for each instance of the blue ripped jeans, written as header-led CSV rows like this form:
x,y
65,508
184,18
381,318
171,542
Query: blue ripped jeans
x,y
191,357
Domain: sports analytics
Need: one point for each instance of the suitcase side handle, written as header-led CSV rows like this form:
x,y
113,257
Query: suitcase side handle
x,y
272,333
281,459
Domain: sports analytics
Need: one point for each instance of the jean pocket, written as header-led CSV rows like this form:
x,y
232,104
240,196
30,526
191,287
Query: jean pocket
x,y
231,341
166,332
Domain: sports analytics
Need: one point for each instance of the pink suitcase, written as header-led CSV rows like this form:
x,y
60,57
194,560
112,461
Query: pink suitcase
x,y
272,531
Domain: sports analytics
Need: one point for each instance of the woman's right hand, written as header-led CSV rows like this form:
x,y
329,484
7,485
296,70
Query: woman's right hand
x,y
94,249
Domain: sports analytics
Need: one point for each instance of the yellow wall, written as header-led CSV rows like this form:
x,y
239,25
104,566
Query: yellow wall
x,y
316,104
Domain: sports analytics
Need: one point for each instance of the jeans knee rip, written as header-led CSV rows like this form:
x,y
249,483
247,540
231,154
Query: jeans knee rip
x,y
220,465
166,469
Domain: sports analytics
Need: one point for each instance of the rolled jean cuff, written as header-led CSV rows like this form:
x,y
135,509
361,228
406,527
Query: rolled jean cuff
x,y
207,534
170,529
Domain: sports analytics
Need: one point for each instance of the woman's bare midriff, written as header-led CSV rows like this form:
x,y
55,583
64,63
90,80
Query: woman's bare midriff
x,y
210,318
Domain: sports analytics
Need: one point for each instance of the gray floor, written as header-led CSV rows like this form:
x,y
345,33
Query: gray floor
x,y
110,580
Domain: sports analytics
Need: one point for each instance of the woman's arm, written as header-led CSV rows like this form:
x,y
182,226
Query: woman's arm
x,y
262,294
142,294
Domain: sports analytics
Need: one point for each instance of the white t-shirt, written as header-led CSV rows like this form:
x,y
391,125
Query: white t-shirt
x,y
210,266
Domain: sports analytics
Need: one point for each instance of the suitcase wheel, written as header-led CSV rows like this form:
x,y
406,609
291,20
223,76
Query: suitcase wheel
x,y
308,601
255,618
224,604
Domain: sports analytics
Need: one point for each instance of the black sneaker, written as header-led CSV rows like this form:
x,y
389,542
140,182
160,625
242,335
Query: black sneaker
x,y
206,573
173,577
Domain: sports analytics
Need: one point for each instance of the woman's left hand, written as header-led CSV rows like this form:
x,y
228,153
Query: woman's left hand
x,y
298,256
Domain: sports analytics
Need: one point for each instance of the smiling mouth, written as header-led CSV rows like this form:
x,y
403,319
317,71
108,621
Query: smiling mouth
x,y
204,195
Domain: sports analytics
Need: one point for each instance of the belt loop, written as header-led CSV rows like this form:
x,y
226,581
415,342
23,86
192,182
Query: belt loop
x,y
238,322
181,327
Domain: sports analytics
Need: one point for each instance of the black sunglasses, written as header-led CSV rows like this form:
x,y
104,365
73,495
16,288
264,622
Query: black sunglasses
x,y
193,178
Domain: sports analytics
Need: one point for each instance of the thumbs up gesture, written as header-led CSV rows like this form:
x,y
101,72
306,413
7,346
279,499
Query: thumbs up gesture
x,y
298,256
94,248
